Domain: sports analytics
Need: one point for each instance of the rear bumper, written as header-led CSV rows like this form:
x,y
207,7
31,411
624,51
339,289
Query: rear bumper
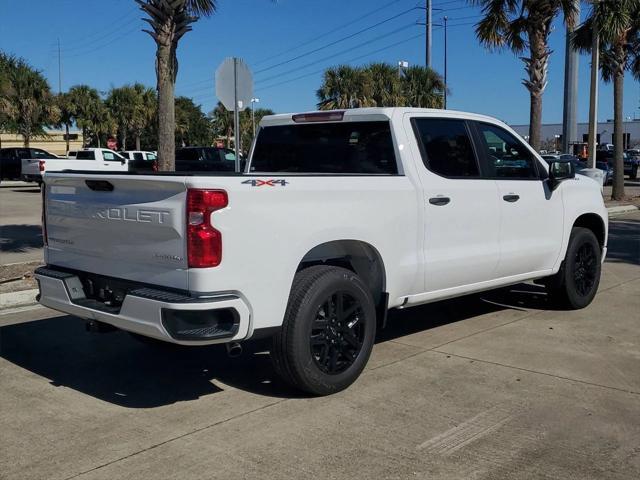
x,y
32,178
149,312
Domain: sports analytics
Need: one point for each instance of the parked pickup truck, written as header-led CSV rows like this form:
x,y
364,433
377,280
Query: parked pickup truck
x,y
339,217
98,159
12,159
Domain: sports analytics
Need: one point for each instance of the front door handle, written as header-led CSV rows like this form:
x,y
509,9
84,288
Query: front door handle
x,y
439,201
511,198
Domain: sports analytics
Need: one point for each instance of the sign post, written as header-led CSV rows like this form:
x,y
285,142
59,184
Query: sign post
x,y
234,89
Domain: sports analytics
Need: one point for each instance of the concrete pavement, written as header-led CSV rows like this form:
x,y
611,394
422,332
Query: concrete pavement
x,y
486,386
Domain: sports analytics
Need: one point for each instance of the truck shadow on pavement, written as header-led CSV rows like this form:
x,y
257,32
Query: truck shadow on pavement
x,y
116,368
20,238
624,241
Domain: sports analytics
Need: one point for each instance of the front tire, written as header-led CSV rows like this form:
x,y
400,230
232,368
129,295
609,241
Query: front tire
x,y
576,284
328,331
634,172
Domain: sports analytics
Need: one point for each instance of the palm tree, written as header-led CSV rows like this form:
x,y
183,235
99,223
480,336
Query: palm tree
x,y
423,87
86,106
384,87
222,123
344,87
7,110
521,25
67,113
28,99
379,85
144,111
169,21
618,26
122,103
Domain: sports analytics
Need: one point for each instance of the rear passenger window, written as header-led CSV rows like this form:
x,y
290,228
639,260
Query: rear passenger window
x,y
138,156
506,156
85,155
446,147
340,148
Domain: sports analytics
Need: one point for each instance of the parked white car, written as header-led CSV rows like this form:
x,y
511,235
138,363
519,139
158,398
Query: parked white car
x,y
88,159
340,216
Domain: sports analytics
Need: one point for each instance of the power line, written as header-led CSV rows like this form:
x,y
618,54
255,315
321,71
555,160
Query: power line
x,y
305,54
93,49
327,33
324,59
355,59
336,41
87,41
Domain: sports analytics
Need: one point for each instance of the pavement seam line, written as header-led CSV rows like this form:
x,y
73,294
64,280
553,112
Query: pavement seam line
x,y
184,435
559,377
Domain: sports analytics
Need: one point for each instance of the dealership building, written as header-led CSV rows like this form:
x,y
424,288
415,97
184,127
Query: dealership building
x,y
552,133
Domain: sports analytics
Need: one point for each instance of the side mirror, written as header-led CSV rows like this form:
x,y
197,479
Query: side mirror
x,y
559,172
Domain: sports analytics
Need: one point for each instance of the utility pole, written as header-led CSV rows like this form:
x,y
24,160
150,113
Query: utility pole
x,y
593,93
428,36
569,113
445,19
59,69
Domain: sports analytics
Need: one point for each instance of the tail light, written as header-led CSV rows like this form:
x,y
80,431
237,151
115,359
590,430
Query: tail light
x,y
41,165
204,243
44,215
154,166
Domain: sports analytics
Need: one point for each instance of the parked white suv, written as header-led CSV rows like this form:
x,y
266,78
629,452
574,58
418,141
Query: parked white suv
x,y
339,217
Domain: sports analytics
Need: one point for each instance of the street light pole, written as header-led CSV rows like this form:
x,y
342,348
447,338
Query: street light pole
x,y
446,85
253,114
593,93
401,65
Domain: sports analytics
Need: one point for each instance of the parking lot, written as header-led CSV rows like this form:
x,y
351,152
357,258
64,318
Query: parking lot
x,y
496,385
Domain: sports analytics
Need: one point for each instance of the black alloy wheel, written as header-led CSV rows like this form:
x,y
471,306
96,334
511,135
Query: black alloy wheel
x,y
337,333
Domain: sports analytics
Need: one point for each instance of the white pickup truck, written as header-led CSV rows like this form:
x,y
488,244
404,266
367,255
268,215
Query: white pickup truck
x,y
339,217
88,159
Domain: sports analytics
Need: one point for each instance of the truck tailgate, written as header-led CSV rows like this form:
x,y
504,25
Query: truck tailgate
x,y
120,226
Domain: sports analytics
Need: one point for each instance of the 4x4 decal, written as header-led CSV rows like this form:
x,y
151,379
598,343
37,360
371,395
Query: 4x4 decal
x,y
269,183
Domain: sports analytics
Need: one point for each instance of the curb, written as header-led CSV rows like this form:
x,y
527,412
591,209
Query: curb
x,y
18,299
622,209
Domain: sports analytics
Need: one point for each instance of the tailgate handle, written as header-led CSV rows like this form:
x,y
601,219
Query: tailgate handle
x,y
99,185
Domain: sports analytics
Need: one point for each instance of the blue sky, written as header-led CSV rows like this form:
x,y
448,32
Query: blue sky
x,y
105,47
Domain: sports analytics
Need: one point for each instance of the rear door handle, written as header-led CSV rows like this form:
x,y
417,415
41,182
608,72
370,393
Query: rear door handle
x,y
511,198
439,201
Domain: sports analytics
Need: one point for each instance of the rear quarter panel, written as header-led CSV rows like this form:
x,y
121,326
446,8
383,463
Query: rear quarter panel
x,y
267,230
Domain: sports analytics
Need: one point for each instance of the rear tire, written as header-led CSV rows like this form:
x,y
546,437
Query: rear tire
x,y
328,331
634,173
576,284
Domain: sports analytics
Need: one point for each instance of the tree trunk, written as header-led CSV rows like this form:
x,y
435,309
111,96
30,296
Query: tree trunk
x,y
66,129
138,142
26,139
618,130
535,120
536,67
124,141
165,70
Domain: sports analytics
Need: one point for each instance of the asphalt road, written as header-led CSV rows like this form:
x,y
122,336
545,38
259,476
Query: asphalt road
x,y
487,386
20,222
